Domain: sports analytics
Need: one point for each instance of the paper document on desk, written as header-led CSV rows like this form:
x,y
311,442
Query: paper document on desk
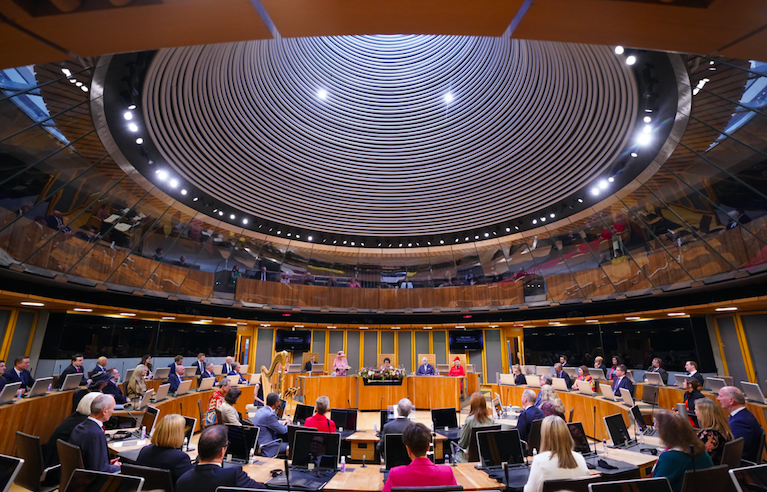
x,y
111,218
123,227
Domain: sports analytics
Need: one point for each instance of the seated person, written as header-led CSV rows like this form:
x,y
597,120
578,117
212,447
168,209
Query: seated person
x,y
20,373
742,422
309,364
101,366
677,435
714,430
396,426
421,471
622,381
75,367
691,395
97,385
91,437
425,369
519,378
224,386
478,417
112,388
270,428
177,360
165,451
209,473
557,460
319,420
656,367
386,364
65,428
137,385
583,375
236,372
207,373
692,371
560,373
175,379
229,414
530,413
457,371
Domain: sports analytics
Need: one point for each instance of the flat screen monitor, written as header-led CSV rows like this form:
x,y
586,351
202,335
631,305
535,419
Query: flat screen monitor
x,y
189,425
92,481
149,419
281,409
466,340
444,417
498,447
636,414
579,438
616,427
302,413
384,417
315,447
650,394
9,468
640,485
346,419
750,478
298,340
395,452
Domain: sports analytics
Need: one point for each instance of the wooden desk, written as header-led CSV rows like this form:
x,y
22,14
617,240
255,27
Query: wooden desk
x,y
340,390
35,416
379,396
363,443
472,383
428,392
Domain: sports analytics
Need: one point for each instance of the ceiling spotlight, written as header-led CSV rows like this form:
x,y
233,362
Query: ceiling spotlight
x,y
631,60
131,106
162,175
409,245
231,217
72,81
441,241
634,154
647,129
603,184
84,88
173,183
322,94
66,72
221,213
647,119
139,140
619,50
476,237
535,221
508,229
132,127
195,199
644,138
595,190
487,234
344,241
183,192
552,215
353,243
310,238
79,84
298,236
610,179
580,200
128,115
466,238
449,97
245,221
543,219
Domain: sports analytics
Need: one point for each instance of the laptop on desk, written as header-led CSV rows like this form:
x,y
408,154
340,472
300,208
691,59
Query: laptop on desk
x,y
571,371
9,392
559,384
71,382
206,384
716,384
607,392
190,372
40,387
184,387
162,393
315,462
586,389
145,399
303,412
650,394
753,392
628,400
533,380
619,434
345,420
162,373
654,379
597,374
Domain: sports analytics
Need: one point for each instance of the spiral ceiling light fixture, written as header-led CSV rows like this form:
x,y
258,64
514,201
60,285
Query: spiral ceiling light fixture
x,y
390,136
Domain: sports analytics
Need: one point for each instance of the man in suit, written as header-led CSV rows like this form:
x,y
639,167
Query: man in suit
x,y
655,367
560,373
2,371
270,427
112,388
56,221
421,471
398,425
91,437
236,372
544,380
20,373
621,381
742,422
209,473
692,371
175,379
101,366
599,363
425,369
179,359
530,413
200,364
207,373
75,367
563,360
227,368
309,364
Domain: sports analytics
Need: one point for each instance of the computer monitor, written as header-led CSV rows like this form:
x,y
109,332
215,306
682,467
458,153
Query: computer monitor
x,y
716,384
533,380
498,447
72,381
444,417
93,481
281,409
6,396
607,392
395,452
579,438
749,478
206,384
162,373
616,427
149,419
753,392
344,419
636,414
190,372
316,447
628,400
189,425
559,384
302,413
146,399
650,394
384,416
40,387
9,468
653,378
639,485
162,392
184,387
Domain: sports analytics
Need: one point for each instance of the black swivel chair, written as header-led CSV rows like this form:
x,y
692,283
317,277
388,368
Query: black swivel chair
x,y
154,478
715,478
32,474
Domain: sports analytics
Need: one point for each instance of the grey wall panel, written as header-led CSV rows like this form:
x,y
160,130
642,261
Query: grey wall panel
x,y
755,326
439,342
731,347
371,348
265,341
335,343
493,355
475,357
421,344
21,335
5,315
405,352
318,346
387,342
353,350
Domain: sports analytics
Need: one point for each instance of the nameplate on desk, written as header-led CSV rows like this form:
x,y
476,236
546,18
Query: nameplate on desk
x,y
119,444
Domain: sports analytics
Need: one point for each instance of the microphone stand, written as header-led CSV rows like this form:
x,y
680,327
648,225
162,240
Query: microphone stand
x,y
694,472
287,475
506,473
595,430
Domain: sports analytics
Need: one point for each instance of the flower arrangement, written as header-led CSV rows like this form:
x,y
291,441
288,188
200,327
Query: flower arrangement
x,y
376,374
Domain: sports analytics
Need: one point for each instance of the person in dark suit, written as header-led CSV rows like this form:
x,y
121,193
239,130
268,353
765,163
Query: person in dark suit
x,y
692,371
656,367
2,371
209,473
179,359
56,221
599,363
175,379
563,360
560,373
64,430
112,388
236,372
165,451
76,367
270,428
530,413
742,422
207,373
20,372
398,425
227,367
200,364
309,364
621,381
92,439
101,366
425,369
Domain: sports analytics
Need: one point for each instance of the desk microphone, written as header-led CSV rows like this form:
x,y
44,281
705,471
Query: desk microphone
x,y
506,472
181,408
363,462
595,429
131,415
350,403
381,406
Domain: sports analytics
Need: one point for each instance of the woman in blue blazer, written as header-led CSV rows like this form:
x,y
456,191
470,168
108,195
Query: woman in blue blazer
x,y
165,450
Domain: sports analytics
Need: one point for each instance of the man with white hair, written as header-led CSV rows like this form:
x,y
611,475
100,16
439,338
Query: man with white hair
x,y
425,369
175,379
91,438
530,412
742,422
396,426
228,366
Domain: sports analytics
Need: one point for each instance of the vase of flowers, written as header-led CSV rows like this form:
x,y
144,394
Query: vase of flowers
x,y
389,377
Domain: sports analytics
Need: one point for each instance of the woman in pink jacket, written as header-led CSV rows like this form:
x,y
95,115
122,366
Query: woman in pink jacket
x,y
340,365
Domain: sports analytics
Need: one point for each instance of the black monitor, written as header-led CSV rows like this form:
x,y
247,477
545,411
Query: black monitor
x,y
281,409
638,418
302,413
316,447
750,478
149,419
395,452
344,418
465,340
93,481
293,340
650,394
9,468
242,439
498,447
444,417
189,426
384,416
581,443
639,485
616,427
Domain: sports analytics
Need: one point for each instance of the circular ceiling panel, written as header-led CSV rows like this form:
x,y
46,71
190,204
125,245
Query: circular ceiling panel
x,y
390,135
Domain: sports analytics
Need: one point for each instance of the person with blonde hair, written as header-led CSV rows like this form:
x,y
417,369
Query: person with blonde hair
x,y
137,384
547,393
557,460
519,378
714,429
677,435
165,451
64,429
478,417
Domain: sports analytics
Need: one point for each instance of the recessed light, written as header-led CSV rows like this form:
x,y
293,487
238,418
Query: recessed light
x,y
132,127
206,321
363,327
332,327
183,192
245,221
131,106
449,97
631,60
242,324
35,304
595,191
611,179
644,138
554,323
231,217
677,314
310,238
128,115
592,321
168,317
395,327
266,325
619,50
535,221
83,310
221,213
162,175
173,183
603,184
647,119
634,154
127,314
508,229
322,94
632,318
733,308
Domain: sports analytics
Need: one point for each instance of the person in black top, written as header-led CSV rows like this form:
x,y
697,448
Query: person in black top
x,y
656,367
112,388
519,378
165,451
599,363
75,367
309,364
691,393
2,371
692,371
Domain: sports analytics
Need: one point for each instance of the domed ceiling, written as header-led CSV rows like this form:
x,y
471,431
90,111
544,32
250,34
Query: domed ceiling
x,y
391,135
